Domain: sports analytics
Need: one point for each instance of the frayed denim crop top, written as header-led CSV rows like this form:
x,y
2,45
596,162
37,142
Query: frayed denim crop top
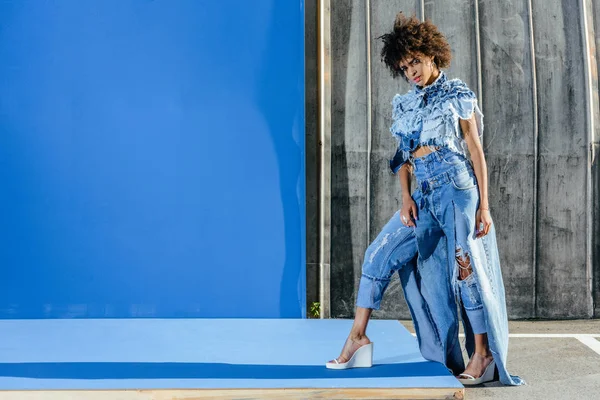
x,y
429,116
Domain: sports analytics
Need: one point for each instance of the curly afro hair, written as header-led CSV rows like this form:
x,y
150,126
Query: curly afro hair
x,y
411,36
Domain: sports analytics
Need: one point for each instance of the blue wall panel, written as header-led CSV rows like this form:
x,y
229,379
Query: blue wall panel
x,y
152,158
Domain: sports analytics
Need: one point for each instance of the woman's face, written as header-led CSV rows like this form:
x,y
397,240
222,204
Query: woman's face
x,y
419,69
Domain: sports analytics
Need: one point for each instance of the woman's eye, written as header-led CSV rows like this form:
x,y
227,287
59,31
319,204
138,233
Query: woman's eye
x,y
415,61
403,69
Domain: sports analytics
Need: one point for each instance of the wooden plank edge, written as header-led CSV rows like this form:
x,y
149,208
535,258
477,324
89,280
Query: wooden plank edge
x,y
192,394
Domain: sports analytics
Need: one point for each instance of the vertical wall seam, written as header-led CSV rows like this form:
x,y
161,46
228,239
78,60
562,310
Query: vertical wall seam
x,y
324,57
478,47
536,140
422,10
369,116
588,173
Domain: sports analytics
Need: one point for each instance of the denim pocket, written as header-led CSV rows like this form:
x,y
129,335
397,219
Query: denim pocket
x,y
448,157
464,180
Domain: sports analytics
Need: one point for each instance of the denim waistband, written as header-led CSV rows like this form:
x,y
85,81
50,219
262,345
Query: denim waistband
x,y
424,185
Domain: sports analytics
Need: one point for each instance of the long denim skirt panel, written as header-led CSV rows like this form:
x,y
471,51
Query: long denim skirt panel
x,y
448,199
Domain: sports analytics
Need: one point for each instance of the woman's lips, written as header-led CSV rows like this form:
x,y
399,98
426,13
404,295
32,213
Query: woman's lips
x,y
417,79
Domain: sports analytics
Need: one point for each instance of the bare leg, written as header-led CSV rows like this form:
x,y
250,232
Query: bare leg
x,y
481,358
358,334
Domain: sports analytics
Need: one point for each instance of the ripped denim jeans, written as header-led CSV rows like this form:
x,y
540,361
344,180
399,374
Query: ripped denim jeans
x,y
448,198
394,247
426,289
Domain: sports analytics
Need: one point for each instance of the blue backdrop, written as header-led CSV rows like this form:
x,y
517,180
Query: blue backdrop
x,y
152,158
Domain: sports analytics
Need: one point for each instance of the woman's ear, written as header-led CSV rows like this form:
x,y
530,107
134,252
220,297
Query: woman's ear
x,y
431,60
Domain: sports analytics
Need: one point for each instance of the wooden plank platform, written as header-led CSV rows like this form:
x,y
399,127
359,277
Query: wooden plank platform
x,y
209,358
275,394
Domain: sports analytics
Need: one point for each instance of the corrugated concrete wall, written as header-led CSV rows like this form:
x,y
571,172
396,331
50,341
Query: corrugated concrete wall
x,y
533,65
594,51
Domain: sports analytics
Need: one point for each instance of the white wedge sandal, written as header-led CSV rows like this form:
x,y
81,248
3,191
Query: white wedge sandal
x,y
488,376
362,358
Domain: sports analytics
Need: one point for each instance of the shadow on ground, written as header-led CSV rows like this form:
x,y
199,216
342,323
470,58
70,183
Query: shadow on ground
x,y
144,370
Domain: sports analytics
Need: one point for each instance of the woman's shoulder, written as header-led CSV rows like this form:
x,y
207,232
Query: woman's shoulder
x,y
458,97
400,100
402,103
456,88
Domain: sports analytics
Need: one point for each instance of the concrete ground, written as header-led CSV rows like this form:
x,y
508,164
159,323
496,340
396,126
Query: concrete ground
x,y
557,359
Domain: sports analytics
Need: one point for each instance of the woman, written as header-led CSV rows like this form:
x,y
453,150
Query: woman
x,y
446,223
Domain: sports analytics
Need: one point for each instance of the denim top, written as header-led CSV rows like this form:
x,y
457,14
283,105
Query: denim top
x,y
429,116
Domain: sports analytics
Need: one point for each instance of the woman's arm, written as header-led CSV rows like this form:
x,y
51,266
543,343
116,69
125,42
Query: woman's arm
x,y
471,135
408,213
405,180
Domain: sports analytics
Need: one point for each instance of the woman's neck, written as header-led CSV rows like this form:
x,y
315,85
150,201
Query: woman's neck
x,y
436,74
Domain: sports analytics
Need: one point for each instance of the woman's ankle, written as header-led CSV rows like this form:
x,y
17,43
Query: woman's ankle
x,y
485,353
358,337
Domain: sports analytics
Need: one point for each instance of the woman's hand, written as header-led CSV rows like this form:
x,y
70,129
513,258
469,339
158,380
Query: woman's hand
x,y
483,221
408,213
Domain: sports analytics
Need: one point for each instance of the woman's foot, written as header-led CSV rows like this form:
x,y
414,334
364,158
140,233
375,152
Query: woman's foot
x,y
352,344
477,365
